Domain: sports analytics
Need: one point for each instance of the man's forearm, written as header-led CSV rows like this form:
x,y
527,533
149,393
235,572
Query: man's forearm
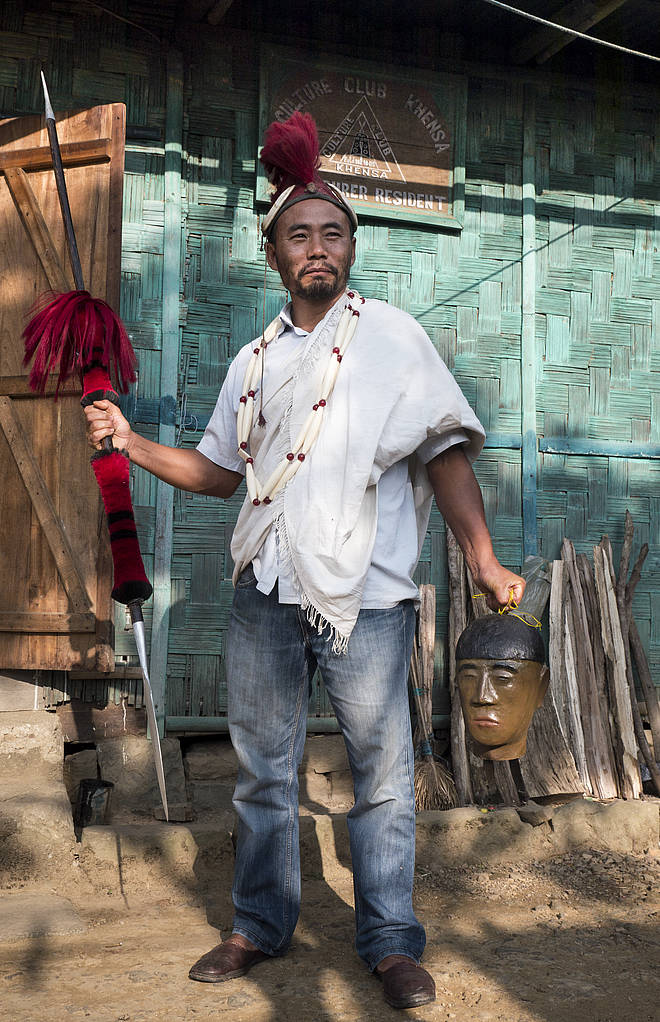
x,y
458,496
184,468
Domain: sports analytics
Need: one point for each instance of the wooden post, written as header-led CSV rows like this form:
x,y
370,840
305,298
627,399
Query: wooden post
x,y
556,649
457,622
648,688
548,766
625,592
573,698
596,738
625,745
168,379
528,336
589,595
427,645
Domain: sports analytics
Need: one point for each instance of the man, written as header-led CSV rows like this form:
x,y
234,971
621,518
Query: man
x,y
358,423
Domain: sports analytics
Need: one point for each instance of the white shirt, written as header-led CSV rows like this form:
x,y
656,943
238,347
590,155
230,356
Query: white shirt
x,y
395,551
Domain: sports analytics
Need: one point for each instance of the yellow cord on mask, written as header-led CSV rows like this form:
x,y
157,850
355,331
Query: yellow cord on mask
x,y
511,607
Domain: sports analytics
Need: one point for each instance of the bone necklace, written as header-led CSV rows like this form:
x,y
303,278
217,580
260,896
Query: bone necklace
x,y
263,493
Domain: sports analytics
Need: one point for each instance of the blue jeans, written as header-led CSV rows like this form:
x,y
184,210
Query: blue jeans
x,y
272,652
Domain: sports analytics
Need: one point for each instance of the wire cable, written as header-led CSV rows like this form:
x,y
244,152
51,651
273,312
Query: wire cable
x,y
118,17
571,31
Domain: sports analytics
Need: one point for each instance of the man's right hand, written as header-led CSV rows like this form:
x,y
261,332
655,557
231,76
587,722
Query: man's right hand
x,y
105,419
186,468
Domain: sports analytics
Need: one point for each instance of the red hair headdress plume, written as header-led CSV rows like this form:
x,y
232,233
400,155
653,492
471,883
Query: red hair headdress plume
x,y
291,158
290,152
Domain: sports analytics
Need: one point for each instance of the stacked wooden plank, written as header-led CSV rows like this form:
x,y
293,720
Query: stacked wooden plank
x,y
592,676
588,735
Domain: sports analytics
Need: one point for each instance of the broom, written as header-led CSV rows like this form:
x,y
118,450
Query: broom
x,y
434,785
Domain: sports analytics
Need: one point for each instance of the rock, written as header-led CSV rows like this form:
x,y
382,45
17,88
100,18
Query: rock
x,y
210,760
468,836
128,762
211,796
31,744
535,814
143,841
325,776
314,788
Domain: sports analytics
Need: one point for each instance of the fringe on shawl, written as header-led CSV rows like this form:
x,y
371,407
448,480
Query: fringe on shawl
x,y
316,620
313,614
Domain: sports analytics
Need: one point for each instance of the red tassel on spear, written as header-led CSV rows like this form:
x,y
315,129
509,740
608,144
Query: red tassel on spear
x,y
75,333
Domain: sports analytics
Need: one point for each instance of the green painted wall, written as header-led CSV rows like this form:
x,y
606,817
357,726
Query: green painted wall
x,y
592,314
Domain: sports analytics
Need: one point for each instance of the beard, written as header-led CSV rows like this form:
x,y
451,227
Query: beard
x,y
318,289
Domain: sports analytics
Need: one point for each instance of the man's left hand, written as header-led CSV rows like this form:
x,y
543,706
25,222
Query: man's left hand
x,y
501,586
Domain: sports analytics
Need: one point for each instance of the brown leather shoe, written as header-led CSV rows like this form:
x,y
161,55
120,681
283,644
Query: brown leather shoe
x,y
407,985
226,961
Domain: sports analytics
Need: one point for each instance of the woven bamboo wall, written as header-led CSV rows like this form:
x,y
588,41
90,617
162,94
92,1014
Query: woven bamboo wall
x,y
596,299
598,308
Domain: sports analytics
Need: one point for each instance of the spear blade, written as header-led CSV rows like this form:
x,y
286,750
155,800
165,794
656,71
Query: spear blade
x,y
138,632
62,193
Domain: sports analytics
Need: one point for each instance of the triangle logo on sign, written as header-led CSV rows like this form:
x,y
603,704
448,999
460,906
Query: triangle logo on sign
x,y
359,140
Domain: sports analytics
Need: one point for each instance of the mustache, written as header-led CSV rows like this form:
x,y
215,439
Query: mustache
x,y
317,266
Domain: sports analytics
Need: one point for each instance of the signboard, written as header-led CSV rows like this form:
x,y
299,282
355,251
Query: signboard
x,y
392,140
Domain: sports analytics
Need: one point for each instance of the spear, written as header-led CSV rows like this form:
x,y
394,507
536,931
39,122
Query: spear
x,y
74,332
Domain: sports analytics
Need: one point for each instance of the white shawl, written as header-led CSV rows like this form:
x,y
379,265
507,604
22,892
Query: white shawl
x,y
392,393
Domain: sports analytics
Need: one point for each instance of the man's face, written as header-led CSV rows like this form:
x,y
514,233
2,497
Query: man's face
x,y
499,698
312,250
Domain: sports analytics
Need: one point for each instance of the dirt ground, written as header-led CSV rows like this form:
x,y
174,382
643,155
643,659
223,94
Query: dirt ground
x,y
577,937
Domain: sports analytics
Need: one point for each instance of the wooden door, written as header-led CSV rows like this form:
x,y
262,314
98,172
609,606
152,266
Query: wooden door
x,y
55,565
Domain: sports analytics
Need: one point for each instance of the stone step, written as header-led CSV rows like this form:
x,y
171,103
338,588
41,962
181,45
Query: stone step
x,y
187,859
128,763
182,861
36,826
31,744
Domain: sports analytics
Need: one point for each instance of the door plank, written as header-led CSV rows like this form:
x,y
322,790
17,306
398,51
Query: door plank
x,y
74,154
18,387
29,621
44,507
37,230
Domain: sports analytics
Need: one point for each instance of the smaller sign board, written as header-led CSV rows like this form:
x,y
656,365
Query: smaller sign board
x,y
393,140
